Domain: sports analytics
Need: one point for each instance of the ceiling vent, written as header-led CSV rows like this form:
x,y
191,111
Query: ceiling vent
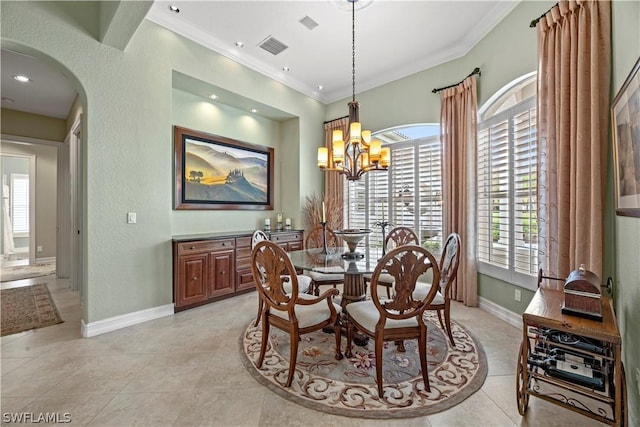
x,y
272,45
308,22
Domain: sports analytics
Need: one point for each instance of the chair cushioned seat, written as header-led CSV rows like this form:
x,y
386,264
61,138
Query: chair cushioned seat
x,y
303,284
366,314
322,277
308,315
422,289
383,278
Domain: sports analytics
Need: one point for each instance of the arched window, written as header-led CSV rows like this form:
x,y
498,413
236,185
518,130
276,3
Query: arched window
x,y
507,183
409,194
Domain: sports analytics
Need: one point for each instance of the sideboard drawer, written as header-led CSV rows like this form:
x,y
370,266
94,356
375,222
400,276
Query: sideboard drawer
x,y
204,246
286,237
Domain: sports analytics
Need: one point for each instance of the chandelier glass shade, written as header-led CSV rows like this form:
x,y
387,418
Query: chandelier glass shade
x,y
356,154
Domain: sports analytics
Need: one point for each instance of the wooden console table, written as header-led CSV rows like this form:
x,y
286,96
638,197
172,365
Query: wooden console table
x,y
209,267
577,339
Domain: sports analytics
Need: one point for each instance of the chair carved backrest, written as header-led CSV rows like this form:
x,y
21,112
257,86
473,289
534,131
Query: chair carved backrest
x,y
400,236
449,262
405,264
314,238
258,236
271,267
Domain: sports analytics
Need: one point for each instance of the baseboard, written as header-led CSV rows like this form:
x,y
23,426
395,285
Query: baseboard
x,y
48,260
500,312
118,322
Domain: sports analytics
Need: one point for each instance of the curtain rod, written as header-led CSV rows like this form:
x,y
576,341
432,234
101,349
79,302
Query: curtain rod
x,y
337,118
535,21
475,71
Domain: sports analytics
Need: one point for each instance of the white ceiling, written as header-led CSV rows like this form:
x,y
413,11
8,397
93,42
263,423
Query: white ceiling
x,y
394,39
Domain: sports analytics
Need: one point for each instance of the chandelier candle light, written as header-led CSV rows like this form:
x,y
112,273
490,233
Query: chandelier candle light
x,y
358,153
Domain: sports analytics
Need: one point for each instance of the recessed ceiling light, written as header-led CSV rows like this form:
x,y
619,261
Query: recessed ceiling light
x,y
213,96
7,100
175,9
239,44
253,110
22,79
286,69
320,87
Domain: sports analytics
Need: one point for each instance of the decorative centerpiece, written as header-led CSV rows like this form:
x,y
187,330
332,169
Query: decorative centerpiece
x,y
353,236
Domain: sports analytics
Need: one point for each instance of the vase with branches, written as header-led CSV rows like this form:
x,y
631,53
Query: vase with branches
x,y
312,212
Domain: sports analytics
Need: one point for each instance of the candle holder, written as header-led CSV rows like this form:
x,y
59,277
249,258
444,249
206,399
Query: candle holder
x,y
324,237
383,226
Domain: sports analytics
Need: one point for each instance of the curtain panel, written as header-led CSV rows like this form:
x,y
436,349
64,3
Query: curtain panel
x,y
574,49
334,182
459,133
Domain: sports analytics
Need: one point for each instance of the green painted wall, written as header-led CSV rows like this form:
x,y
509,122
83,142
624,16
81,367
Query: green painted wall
x,y
626,51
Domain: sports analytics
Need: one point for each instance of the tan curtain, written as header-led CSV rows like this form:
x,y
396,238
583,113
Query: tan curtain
x,y
334,182
574,48
459,131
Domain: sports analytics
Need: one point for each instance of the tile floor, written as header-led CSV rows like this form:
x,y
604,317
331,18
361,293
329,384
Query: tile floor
x,y
185,370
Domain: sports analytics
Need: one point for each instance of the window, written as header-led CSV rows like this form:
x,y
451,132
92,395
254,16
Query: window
x,y
507,184
408,195
20,204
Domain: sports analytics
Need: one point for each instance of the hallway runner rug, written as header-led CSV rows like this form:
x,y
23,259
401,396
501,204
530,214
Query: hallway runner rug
x,y
347,387
27,307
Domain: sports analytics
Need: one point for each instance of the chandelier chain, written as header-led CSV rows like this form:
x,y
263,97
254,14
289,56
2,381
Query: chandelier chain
x,y
353,48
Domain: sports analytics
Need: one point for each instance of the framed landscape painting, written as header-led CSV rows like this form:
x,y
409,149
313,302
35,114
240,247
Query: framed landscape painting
x,y
215,172
625,119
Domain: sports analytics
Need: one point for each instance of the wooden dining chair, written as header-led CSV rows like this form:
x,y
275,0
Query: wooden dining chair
x,y
293,312
400,317
449,261
398,236
304,282
315,240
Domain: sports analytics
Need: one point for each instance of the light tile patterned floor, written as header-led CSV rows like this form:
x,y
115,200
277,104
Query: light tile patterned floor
x,y
185,370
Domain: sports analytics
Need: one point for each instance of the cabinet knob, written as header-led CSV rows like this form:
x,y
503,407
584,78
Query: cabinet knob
x,y
192,247
222,272
223,244
195,278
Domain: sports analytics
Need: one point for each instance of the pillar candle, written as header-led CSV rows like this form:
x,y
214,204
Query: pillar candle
x,y
279,217
287,222
267,222
324,213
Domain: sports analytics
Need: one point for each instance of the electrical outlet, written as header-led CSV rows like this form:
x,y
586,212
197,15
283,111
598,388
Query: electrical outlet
x,y
518,295
131,218
39,249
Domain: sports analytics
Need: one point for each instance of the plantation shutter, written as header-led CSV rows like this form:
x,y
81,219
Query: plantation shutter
x,y
525,185
493,193
403,186
20,203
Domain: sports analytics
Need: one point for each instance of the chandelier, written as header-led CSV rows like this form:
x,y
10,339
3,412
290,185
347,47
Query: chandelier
x,y
358,153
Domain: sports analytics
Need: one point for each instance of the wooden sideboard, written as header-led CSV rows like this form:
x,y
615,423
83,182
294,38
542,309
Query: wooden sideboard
x,y
209,267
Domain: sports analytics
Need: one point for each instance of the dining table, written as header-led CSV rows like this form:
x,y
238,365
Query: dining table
x,y
337,261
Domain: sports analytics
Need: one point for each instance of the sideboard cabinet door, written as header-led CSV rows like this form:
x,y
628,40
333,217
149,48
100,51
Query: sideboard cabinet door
x,y
222,273
192,276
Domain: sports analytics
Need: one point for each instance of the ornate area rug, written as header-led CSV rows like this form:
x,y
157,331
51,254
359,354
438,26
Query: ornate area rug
x,y
28,307
348,387
26,271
